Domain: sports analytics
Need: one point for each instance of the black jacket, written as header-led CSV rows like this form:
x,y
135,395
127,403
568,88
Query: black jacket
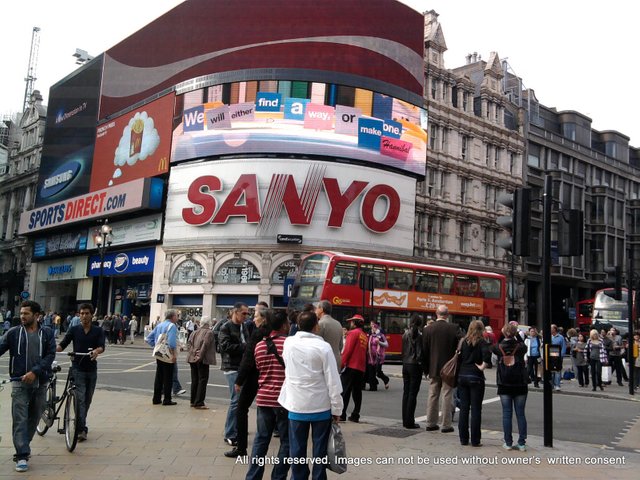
x,y
411,348
248,370
232,346
16,341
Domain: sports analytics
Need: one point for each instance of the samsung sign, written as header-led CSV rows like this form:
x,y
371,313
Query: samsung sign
x,y
124,263
60,179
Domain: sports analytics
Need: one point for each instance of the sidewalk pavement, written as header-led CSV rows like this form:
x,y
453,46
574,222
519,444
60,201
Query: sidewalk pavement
x,y
130,438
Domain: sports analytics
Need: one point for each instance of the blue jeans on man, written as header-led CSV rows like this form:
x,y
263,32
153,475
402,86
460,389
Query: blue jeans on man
x,y
556,378
298,437
509,404
85,386
231,424
27,404
268,418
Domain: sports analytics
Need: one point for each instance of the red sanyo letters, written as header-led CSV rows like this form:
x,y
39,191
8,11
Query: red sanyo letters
x,y
243,201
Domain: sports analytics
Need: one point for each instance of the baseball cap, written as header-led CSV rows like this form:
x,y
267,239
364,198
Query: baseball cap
x,y
356,318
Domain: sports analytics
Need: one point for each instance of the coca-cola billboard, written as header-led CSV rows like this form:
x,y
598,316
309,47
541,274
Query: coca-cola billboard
x,y
251,201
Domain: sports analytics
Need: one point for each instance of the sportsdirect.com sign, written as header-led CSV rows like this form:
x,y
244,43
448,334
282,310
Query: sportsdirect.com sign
x,y
113,200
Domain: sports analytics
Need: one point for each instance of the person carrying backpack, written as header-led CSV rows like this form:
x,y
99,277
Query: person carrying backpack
x,y
512,379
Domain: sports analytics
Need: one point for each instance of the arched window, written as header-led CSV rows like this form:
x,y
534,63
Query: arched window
x,y
188,272
238,271
285,269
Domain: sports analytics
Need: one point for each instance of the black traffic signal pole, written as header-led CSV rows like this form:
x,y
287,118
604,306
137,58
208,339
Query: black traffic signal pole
x,y
547,203
630,290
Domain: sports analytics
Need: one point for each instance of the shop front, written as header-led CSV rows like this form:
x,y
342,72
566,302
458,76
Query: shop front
x,y
61,284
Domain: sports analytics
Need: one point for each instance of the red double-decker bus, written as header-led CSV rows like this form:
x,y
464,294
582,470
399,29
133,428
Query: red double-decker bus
x,y
584,312
399,289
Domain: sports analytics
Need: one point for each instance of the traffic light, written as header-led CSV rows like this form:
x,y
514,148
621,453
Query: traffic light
x,y
570,233
518,223
614,279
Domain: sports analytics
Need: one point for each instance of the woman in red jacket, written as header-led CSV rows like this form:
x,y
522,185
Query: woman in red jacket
x,y
354,363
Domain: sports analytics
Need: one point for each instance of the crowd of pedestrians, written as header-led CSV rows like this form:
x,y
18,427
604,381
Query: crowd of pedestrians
x,y
302,369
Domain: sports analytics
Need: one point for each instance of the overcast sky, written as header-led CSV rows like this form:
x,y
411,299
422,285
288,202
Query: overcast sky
x,y
576,54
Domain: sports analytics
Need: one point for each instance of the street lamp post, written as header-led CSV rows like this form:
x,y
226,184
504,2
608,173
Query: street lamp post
x,y
103,242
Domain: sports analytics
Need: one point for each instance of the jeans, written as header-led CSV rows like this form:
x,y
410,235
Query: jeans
x,y
616,365
298,437
471,393
231,424
555,380
162,383
509,404
411,378
372,373
175,382
85,386
27,404
245,399
352,384
199,379
583,375
596,373
532,367
268,418
436,387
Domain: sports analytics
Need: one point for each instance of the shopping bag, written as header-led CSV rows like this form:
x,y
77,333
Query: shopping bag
x,y
606,373
337,450
161,350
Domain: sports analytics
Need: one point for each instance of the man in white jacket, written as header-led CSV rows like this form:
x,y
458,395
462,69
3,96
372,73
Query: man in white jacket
x,y
311,393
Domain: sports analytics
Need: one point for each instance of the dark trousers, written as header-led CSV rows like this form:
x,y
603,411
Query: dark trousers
x,y
532,364
298,438
471,394
199,379
372,374
246,398
596,373
583,375
411,379
351,384
616,365
162,384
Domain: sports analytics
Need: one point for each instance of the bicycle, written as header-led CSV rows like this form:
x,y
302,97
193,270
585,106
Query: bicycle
x,y
70,401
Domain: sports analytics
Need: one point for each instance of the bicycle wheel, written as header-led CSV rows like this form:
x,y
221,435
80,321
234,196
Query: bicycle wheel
x,y
48,414
71,421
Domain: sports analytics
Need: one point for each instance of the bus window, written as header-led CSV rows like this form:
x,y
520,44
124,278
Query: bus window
x,y
379,273
345,273
400,278
447,283
426,281
314,269
393,322
490,287
467,285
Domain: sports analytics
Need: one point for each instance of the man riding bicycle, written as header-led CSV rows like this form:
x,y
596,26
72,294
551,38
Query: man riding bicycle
x,y
86,337
32,349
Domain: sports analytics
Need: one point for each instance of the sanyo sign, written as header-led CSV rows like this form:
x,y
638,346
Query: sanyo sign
x,y
258,199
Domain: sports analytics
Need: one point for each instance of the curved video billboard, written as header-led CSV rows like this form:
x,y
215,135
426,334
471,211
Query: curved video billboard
x,y
303,118
376,44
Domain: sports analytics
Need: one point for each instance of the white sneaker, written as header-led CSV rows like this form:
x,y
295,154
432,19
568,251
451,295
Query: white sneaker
x,y
181,392
22,466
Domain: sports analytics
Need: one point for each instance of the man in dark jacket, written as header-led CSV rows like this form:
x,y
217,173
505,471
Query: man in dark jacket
x,y
32,349
439,343
247,380
233,341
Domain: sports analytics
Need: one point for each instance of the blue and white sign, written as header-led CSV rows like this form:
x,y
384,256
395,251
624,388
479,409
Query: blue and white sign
x,y
268,102
60,179
124,263
294,108
369,133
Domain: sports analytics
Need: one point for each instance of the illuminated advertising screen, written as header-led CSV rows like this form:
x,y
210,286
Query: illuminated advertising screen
x,y
305,118
375,44
67,150
134,145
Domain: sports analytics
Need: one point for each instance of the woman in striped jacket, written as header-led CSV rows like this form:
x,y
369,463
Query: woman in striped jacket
x,y
596,354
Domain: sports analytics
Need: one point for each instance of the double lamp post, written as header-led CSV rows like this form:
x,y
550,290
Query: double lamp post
x,y
103,241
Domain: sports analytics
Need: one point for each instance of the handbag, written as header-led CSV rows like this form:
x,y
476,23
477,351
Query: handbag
x,y
449,371
337,450
161,350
